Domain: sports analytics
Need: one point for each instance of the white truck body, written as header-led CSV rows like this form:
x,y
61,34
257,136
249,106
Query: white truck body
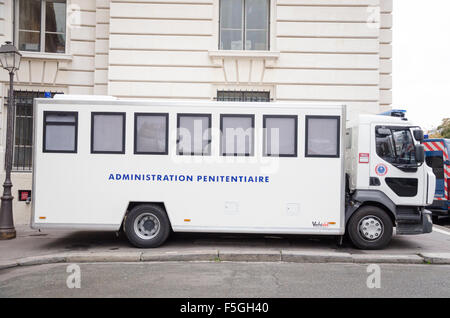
x,y
299,193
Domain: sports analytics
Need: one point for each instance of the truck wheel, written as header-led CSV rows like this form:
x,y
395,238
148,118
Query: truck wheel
x,y
147,226
370,228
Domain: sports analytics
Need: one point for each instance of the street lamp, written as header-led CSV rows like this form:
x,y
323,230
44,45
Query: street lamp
x,y
10,60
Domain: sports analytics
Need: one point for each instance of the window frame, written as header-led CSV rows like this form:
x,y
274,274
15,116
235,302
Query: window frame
x,y
209,116
42,31
154,153
338,135
124,130
265,154
244,27
45,124
252,150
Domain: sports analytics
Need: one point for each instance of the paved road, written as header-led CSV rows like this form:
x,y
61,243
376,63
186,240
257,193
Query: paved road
x,y
223,279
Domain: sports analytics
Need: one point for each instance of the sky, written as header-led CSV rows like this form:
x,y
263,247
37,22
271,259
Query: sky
x,y
421,60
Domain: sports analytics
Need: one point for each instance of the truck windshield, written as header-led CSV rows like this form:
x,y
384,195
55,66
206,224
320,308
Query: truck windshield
x,y
395,145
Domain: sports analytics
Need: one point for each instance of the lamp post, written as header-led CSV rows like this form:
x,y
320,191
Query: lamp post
x,y
10,61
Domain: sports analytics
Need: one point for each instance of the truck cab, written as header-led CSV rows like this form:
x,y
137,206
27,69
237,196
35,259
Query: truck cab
x,y
386,172
437,153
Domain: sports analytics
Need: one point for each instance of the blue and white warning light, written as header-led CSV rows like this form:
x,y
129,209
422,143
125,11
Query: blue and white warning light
x,y
395,113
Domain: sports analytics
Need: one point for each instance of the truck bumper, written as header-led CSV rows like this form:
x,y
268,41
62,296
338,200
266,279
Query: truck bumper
x,y
423,227
440,208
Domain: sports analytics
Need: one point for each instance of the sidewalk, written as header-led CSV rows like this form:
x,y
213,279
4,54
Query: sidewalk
x,y
33,248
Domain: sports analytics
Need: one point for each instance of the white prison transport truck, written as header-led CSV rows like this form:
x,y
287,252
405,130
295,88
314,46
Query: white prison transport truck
x,y
152,167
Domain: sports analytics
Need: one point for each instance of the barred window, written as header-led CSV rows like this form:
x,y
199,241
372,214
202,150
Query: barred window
x,y
243,96
23,132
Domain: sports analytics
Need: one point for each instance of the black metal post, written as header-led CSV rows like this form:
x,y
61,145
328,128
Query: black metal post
x,y
7,230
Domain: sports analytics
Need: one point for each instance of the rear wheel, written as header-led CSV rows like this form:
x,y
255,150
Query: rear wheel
x,y
370,228
147,226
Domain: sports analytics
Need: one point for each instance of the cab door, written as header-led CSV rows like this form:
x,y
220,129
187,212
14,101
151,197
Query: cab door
x,y
393,167
436,158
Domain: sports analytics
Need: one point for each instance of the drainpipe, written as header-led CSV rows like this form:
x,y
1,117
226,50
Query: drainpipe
x,y
14,23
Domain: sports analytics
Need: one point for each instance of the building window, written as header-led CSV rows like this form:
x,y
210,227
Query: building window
x,y
60,132
280,135
244,25
151,133
237,135
41,26
23,132
322,136
243,96
108,133
194,134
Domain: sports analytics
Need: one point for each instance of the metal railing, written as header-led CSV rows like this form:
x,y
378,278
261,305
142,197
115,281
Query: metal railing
x,y
243,96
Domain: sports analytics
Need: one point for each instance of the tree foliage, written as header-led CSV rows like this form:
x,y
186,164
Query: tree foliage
x,y
443,131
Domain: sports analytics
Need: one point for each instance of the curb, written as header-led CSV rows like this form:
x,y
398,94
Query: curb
x,y
315,257
191,256
387,259
286,256
104,257
436,258
250,256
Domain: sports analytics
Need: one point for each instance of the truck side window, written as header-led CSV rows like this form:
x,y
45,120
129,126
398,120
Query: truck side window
x,y
322,136
60,132
237,135
280,135
151,131
108,133
395,145
194,134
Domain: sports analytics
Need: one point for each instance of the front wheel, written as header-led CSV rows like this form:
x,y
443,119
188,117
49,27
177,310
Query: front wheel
x,y
370,228
147,226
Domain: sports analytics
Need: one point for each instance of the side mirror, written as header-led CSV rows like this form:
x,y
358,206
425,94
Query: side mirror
x,y
420,154
418,135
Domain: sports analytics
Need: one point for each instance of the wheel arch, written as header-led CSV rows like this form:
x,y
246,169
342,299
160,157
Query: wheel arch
x,y
381,206
377,199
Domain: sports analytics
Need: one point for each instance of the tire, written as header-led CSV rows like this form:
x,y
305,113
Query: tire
x,y
377,235
147,226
